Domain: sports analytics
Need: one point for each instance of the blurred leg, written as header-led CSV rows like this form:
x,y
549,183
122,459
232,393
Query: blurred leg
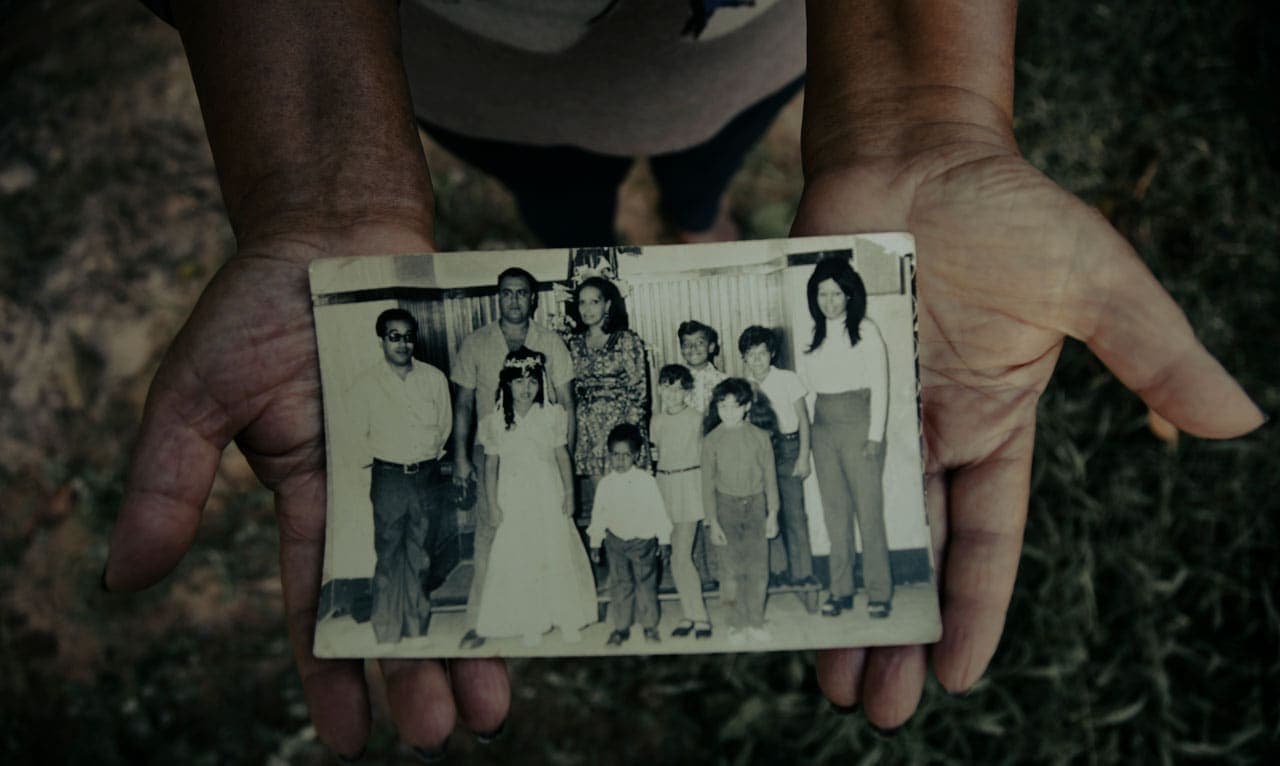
x,y
567,196
688,585
692,182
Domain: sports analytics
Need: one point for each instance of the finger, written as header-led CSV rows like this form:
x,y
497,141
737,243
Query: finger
x,y
988,512
482,691
1144,338
335,690
892,682
171,472
421,702
840,675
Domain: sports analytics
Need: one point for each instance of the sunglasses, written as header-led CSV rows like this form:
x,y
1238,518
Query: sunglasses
x,y
396,337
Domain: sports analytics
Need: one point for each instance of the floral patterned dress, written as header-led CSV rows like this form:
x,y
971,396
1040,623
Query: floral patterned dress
x,y
611,386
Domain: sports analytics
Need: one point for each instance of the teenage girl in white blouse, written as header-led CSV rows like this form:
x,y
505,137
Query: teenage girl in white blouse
x,y
847,366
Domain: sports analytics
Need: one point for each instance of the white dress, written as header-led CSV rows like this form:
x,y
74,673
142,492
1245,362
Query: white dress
x,y
539,575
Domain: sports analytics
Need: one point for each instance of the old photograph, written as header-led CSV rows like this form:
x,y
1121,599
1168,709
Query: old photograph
x,y
596,451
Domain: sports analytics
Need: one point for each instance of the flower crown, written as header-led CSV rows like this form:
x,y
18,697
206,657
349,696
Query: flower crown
x,y
527,365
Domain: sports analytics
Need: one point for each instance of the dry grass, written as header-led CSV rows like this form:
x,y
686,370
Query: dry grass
x,y
1144,628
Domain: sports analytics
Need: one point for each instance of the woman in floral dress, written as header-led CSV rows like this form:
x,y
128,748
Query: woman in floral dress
x,y
611,384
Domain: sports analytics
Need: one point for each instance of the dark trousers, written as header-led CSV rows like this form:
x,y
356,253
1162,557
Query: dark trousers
x,y
633,581
568,196
704,556
744,561
790,553
410,523
850,482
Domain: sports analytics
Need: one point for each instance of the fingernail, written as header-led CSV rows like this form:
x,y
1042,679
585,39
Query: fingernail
x,y
885,733
844,709
435,755
352,758
488,738
102,581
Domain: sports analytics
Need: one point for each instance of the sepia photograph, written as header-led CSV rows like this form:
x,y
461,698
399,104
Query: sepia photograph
x,y
593,451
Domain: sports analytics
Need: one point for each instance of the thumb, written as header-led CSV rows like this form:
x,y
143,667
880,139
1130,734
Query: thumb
x,y
1144,338
171,471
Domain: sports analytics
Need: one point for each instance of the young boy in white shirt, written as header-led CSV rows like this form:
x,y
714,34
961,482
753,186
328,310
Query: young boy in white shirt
x,y
629,519
790,556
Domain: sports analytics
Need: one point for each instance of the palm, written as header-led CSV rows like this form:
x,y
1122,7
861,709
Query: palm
x,y
244,366
1008,264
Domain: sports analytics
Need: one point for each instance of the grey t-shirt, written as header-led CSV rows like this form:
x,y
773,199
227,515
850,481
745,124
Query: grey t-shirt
x,y
612,76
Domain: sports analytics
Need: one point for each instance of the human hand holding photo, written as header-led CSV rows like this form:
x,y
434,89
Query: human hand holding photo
x,y
244,366
1008,266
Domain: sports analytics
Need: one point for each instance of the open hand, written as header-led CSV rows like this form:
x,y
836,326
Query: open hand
x,y
244,367
1008,265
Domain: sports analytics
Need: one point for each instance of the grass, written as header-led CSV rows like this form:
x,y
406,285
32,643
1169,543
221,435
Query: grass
x,y
1145,625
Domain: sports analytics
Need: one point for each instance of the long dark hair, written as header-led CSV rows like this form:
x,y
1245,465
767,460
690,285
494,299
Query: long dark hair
x,y
615,319
760,414
521,363
851,284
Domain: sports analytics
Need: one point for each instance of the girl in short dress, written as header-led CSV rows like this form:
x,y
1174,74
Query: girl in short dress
x,y
539,576
676,430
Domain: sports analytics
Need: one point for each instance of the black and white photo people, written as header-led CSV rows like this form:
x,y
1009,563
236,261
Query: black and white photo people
x,y
629,520
676,431
538,576
790,554
635,486
404,416
610,376
846,365
740,502
480,360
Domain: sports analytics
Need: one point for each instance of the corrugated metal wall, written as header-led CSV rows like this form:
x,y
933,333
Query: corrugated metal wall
x,y
729,303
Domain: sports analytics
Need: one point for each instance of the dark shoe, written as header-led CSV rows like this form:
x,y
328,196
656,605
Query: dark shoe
x,y
833,606
617,637
702,630
683,629
471,640
651,635
879,609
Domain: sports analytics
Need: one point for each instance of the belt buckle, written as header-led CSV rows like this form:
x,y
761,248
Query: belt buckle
x,y
410,468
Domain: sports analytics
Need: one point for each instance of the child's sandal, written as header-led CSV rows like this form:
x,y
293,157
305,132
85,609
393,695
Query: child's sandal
x,y
684,628
879,609
702,630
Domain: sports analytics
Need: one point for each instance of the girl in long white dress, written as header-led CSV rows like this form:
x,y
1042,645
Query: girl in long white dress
x,y
539,576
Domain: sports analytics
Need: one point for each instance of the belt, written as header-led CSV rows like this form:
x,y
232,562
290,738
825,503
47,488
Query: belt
x,y
793,436
408,468
680,470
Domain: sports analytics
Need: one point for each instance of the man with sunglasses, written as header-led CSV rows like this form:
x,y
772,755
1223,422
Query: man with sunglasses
x,y
405,415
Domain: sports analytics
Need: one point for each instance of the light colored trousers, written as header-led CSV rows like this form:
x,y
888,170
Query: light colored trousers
x,y
850,482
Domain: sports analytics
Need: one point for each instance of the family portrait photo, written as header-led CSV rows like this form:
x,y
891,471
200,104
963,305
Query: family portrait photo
x,y
594,451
